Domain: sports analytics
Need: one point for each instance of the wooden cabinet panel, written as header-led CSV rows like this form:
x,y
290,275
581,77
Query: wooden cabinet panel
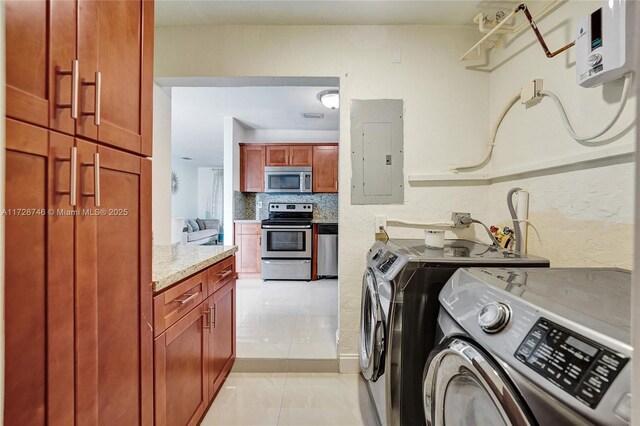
x,y
277,155
114,46
222,342
26,31
251,256
252,160
300,155
39,251
174,303
181,355
62,53
325,168
113,303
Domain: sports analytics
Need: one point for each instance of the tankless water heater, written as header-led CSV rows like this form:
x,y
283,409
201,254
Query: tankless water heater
x,y
604,43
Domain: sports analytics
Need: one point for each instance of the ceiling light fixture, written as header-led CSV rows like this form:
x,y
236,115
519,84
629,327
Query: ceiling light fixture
x,y
329,98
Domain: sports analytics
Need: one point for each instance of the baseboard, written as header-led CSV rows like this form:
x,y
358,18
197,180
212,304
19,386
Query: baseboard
x,y
349,363
277,365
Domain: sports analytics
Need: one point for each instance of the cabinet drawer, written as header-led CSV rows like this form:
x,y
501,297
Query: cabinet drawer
x,y
221,273
176,302
248,228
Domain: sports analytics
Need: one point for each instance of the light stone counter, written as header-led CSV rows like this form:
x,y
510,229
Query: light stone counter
x,y
247,221
174,263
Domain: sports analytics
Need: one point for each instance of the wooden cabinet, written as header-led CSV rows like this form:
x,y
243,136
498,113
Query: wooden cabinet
x,y
195,353
181,358
252,159
222,342
39,328
78,344
323,158
325,168
289,155
248,238
97,84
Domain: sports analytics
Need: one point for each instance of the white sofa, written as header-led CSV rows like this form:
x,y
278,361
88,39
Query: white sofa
x,y
201,236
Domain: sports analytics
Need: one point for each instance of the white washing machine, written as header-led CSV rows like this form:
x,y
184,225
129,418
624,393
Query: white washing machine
x,y
531,347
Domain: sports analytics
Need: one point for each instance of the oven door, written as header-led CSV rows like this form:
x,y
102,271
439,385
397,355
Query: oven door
x,y
286,241
287,181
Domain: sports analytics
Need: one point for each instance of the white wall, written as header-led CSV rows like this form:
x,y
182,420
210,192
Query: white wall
x,y
161,167
583,216
635,292
434,85
234,134
185,202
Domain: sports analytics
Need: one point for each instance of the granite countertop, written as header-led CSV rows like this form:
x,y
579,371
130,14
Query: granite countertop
x,y
173,263
247,221
325,221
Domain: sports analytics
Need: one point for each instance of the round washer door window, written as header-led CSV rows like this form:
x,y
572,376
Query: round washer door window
x,y
371,330
466,402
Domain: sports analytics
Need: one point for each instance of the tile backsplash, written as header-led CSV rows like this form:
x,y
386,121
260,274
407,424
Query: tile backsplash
x,y
325,206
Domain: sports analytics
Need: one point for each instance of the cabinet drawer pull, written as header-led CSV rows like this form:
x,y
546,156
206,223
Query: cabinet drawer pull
x,y
97,93
73,178
207,322
96,180
75,79
225,275
187,299
213,316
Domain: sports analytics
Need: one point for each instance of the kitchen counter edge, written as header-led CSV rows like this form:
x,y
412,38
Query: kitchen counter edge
x,y
172,264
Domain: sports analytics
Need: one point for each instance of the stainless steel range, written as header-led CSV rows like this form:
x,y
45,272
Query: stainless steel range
x,y
287,238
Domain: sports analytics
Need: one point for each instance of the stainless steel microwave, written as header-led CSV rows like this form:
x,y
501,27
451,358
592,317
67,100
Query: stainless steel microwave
x,y
288,179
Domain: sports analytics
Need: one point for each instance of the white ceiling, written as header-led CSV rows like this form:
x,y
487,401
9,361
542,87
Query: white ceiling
x,y
197,116
310,12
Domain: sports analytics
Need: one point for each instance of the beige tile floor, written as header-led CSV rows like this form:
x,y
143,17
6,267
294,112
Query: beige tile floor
x,y
286,319
329,399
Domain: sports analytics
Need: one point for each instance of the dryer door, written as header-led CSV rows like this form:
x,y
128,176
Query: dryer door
x,y
463,387
371,330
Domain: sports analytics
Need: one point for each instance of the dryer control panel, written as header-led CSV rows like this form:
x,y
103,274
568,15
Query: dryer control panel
x,y
579,366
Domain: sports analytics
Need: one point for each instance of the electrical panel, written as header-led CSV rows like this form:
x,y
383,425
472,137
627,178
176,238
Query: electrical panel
x,y
377,153
604,43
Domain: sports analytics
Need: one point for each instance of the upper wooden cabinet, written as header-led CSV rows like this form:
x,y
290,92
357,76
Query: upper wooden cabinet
x,y
289,155
325,168
97,84
252,168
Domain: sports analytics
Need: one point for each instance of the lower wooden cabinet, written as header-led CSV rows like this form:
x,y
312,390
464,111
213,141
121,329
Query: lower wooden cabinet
x,y
195,353
181,357
248,238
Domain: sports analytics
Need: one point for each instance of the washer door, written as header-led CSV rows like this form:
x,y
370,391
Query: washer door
x,y
371,330
462,387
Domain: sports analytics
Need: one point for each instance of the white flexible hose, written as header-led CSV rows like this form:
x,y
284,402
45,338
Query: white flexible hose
x,y
494,132
563,114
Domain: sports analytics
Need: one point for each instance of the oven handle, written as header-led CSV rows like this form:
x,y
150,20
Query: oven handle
x,y
286,226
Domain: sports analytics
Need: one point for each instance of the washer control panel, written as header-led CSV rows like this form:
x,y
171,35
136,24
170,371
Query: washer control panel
x,y
582,368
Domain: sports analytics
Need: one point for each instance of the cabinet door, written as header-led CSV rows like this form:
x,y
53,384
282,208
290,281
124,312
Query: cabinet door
x,y
39,381
181,369
115,42
222,344
325,168
300,155
252,168
277,155
251,255
62,53
26,26
113,291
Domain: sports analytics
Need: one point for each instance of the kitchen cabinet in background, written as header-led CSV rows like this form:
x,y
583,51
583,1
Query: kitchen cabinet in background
x,y
325,168
289,155
252,158
248,238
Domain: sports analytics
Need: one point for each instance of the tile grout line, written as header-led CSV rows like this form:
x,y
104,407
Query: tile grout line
x,y
284,389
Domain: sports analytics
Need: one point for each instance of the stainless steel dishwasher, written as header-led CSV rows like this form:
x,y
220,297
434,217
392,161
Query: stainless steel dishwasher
x,y
328,250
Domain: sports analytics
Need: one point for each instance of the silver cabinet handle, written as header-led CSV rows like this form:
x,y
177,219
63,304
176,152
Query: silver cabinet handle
x,y
96,117
96,179
75,79
187,299
97,83
213,316
207,322
73,178
286,226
